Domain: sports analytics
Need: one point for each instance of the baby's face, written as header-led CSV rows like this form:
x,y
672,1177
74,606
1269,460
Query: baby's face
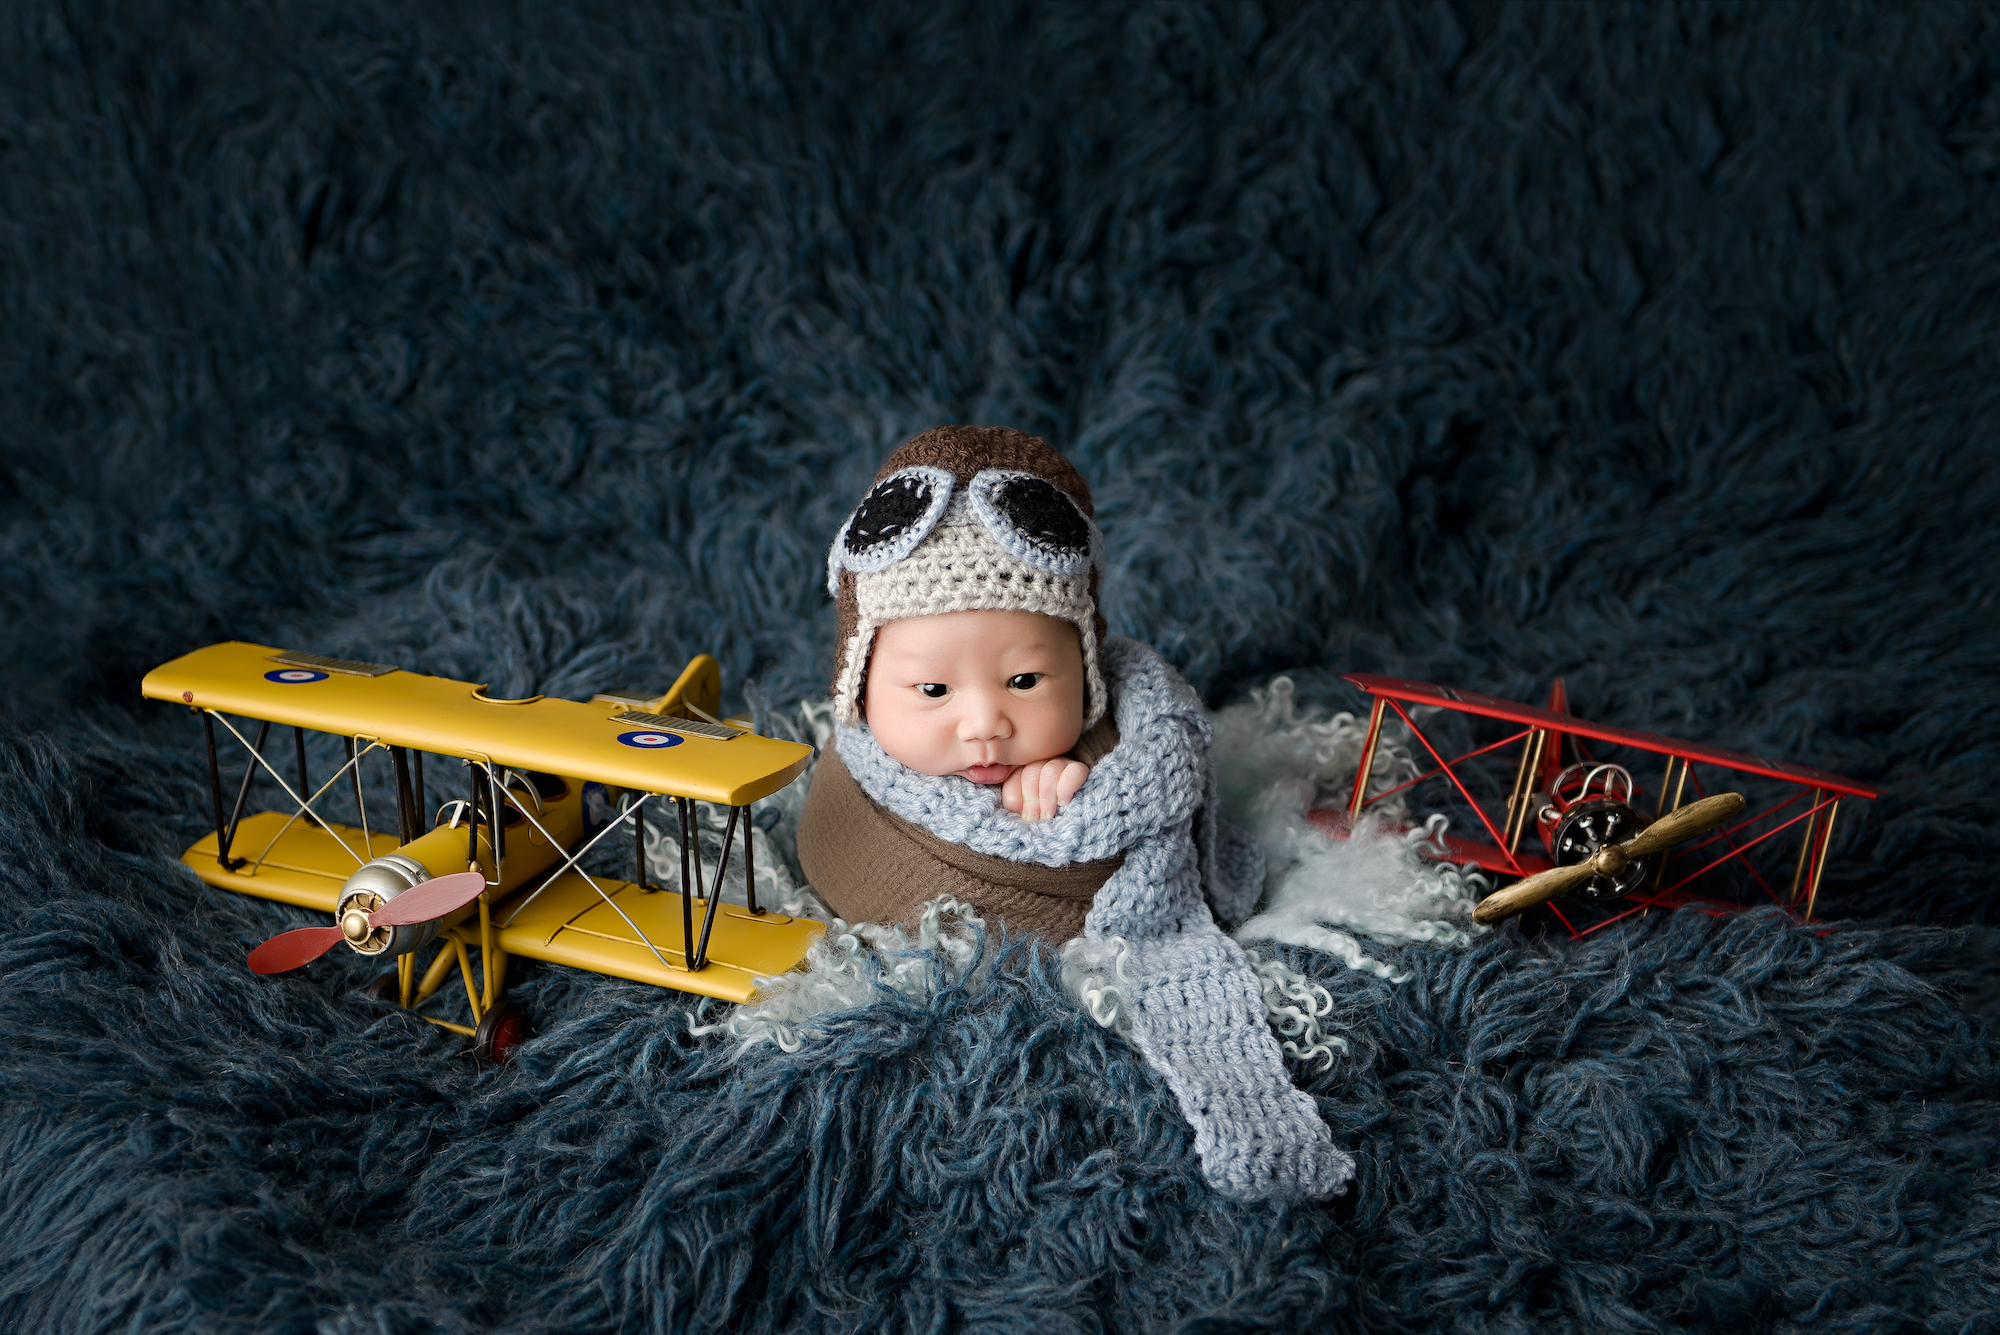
x,y
976,694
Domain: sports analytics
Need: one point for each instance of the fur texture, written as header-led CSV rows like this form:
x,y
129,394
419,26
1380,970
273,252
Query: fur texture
x,y
1650,345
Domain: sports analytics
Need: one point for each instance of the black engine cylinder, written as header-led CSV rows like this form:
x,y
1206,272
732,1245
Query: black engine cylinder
x,y
1589,826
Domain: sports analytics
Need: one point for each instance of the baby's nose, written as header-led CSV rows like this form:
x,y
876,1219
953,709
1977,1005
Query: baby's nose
x,y
984,721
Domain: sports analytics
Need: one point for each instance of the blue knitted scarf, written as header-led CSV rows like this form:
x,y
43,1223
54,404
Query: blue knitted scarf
x,y
1196,1007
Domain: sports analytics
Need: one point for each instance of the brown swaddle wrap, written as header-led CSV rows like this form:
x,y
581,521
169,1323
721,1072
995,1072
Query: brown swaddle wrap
x,y
870,865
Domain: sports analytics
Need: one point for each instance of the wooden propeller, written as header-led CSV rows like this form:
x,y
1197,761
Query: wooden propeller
x,y
1664,833
420,903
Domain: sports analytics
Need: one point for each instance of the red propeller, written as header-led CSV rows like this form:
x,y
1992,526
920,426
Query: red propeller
x,y
420,903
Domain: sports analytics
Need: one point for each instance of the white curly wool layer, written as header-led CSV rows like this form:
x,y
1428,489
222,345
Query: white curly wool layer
x,y
848,966
1274,762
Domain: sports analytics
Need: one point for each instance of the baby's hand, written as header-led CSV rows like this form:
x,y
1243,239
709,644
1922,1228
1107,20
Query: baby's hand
x,y
1035,792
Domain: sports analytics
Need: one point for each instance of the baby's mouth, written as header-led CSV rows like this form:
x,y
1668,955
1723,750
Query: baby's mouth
x,y
987,774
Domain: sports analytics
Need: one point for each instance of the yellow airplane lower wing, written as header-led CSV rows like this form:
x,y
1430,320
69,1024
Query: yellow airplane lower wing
x,y
567,922
571,923
293,862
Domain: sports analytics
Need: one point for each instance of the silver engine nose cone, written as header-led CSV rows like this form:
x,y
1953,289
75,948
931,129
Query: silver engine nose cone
x,y
372,885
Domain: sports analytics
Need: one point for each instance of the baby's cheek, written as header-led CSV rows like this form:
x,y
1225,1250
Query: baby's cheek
x,y
912,737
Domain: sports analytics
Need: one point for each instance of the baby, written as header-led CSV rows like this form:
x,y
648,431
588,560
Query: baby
x,y
995,745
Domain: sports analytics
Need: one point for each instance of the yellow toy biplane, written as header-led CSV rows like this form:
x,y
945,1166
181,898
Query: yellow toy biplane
x,y
501,871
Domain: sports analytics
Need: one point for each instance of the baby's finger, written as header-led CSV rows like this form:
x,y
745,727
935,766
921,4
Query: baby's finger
x,y
1027,792
1035,791
1010,793
1045,778
1054,774
1074,772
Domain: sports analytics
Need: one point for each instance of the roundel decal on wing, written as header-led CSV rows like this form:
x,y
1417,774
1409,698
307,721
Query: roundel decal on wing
x,y
649,741
294,676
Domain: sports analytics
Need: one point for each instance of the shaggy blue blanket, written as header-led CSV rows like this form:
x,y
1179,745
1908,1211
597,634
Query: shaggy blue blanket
x,y
1647,345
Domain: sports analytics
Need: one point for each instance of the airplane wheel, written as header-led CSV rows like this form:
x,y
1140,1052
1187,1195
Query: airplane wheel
x,y
386,988
505,1028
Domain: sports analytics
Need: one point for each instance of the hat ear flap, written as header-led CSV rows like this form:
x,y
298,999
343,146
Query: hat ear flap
x,y
1096,697
848,605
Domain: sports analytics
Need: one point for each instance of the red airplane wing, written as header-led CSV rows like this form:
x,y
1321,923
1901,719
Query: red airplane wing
x,y
1470,702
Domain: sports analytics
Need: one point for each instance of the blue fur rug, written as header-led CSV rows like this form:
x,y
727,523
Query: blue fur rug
x,y
1651,346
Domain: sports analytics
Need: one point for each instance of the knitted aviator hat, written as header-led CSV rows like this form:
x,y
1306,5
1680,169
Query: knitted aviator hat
x,y
964,518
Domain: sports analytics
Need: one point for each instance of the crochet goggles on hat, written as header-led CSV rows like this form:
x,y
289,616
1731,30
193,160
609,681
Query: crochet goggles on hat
x,y
1031,518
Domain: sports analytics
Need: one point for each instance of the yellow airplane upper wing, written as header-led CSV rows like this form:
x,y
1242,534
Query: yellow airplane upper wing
x,y
648,752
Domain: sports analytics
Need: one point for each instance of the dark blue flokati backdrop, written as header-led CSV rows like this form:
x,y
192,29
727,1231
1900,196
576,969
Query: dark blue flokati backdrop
x,y
1652,346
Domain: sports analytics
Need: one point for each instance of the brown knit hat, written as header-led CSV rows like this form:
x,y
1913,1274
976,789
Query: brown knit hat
x,y
966,517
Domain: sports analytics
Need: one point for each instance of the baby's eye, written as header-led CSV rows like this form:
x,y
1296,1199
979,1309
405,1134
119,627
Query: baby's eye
x,y
1023,681
934,690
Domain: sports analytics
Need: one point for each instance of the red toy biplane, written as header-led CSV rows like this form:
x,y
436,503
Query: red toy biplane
x,y
1587,814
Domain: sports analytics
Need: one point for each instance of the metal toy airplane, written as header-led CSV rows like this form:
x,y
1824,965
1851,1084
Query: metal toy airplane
x,y
1598,842
500,871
